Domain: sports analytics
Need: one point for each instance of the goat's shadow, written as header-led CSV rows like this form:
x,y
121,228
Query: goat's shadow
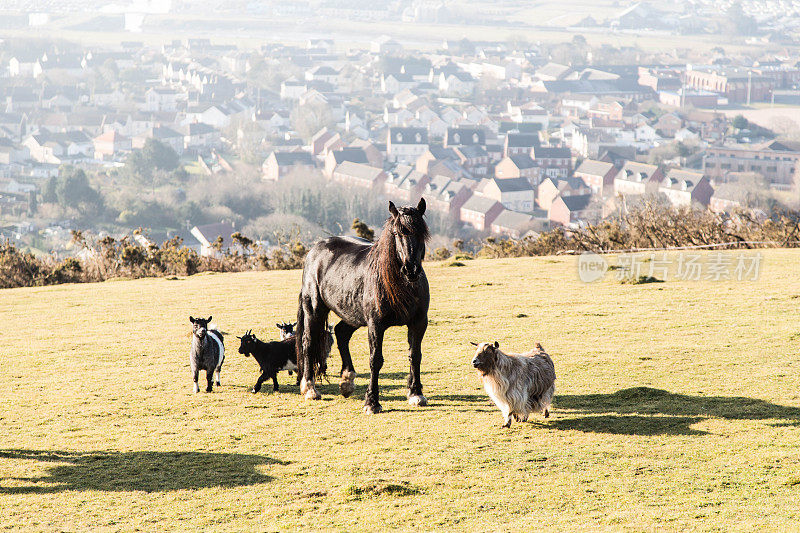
x,y
136,471
649,411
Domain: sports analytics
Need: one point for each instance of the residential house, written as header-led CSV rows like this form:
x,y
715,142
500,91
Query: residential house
x,y
405,145
464,137
199,136
685,187
359,175
553,161
570,210
551,188
517,166
459,84
512,224
396,82
208,236
111,145
279,164
474,159
405,184
516,194
637,178
598,175
56,148
445,195
480,212
520,143
433,154
374,155
336,157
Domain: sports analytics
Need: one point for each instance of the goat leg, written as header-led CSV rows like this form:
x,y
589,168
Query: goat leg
x,y
257,387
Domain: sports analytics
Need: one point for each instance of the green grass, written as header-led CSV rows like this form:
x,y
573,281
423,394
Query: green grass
x,y
677,408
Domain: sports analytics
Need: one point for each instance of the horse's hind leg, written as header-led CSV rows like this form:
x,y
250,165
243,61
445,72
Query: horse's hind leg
x,y
343,333
416,330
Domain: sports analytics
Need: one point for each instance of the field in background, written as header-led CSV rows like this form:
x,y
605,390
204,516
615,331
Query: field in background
x,y
547,21
677,407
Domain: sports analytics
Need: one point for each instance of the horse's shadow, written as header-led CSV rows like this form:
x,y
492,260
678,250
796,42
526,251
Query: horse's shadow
x,y
649,411
135,471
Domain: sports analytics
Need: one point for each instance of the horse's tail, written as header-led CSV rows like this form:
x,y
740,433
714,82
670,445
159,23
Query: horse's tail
x,y
298,338
312,351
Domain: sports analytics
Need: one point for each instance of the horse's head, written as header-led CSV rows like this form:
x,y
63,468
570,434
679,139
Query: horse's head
x,y
410,233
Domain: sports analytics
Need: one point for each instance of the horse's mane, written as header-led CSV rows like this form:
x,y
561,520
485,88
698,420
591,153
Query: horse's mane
x,y
397,290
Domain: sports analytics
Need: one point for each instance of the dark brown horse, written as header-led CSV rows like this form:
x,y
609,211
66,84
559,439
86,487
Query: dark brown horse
x,y
374,285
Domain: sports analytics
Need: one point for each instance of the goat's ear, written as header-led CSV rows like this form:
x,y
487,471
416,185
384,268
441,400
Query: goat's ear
x,y
393,209
293,324
496,344
421,206
473,343
278,325
238,337
209,318
191,319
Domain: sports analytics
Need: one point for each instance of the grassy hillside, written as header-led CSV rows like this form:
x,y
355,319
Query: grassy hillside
x,y
677,407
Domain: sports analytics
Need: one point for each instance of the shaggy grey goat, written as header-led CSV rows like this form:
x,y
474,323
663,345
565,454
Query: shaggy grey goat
x,y
208,352
519,384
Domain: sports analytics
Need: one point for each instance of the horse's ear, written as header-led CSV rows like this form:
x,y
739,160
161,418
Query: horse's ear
x,y
496,344
209,318
421,206
393,209
191,319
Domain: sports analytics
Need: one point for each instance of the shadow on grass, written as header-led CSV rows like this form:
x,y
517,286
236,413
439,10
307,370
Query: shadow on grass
x,y
132,471
648,411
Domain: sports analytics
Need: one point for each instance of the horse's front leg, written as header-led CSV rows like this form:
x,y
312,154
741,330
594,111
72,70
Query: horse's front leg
x,y
416,330
371,404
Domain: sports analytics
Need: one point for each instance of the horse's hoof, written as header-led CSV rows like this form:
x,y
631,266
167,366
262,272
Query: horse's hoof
x,y
372,409
347,384
312,394
417,400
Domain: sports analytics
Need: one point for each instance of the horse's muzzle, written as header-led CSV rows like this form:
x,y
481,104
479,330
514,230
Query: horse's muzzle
x,y
411,274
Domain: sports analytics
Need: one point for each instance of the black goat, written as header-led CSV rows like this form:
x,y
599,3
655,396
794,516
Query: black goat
x,y
272,357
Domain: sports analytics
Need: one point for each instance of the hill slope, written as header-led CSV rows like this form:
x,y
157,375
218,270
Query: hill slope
x,y
677,406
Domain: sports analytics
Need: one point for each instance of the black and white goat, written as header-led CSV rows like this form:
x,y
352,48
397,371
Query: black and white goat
x,y
208,352
272,357
287,329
